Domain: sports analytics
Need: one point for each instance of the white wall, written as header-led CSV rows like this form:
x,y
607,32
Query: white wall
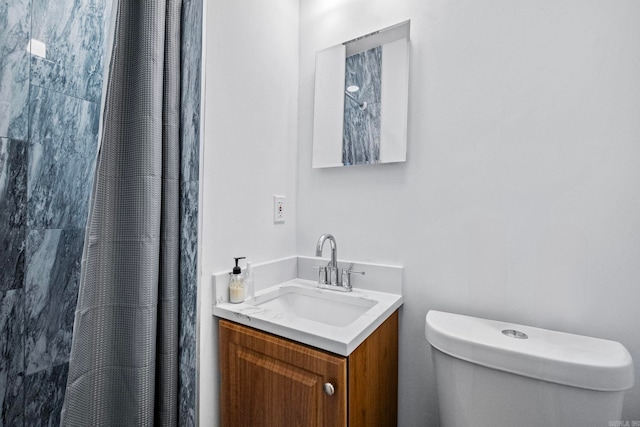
x,y
520,197
250,151
519,200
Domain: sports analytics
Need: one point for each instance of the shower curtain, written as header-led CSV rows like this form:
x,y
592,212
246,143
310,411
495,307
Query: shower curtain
x,y
123,369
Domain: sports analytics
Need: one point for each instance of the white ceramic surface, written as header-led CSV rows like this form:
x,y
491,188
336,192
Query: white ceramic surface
x,y
559,357
330,308
298,310
542,378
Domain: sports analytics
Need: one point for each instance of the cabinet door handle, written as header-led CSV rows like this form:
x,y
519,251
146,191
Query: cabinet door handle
x,y
329,389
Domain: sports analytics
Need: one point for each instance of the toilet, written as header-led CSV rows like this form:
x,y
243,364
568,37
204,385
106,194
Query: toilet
x,y
491,373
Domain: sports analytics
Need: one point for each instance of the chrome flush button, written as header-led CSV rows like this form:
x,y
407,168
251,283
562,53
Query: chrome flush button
x,y
512,333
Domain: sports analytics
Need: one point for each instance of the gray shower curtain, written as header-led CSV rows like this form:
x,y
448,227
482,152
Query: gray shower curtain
x,y
123,369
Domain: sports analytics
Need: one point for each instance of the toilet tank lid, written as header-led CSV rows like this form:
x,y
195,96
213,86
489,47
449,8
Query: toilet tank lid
x,y
575,360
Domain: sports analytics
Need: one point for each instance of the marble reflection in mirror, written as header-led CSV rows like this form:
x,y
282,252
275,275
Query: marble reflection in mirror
x,y
360,106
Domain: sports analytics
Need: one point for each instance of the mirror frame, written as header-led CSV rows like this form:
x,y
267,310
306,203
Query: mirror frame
x,y
331,96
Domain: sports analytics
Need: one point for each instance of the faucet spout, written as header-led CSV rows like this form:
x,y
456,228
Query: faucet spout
x,y
334,249
329,277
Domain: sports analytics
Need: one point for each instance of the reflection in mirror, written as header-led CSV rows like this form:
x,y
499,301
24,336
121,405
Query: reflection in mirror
x,y
361,125
360,106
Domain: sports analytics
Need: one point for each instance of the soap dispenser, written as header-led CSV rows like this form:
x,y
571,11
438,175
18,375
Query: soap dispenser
x,y
236,284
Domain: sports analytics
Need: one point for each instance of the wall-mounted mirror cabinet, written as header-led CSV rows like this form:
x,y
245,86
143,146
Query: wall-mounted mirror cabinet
x,y
361,100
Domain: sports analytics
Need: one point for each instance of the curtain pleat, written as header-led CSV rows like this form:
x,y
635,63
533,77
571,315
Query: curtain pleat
x,y
123,368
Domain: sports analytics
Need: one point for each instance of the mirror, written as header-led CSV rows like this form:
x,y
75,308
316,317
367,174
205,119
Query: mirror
x,y
361,100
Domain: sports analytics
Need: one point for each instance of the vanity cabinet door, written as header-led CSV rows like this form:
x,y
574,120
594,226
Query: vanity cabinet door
x,y
272,382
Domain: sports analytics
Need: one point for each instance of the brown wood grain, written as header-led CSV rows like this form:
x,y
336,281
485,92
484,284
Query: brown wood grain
x,y
268,381
373,378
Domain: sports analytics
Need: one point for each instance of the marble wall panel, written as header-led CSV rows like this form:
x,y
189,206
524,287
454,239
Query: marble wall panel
x,y
190,89
188,272
15,26
74,34
191,51
58,191
62,151
11,357
44,395
187,404
70,124
13,200
51,291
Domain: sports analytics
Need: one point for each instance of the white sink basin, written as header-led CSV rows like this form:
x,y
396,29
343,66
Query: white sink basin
x,y
298,310
323,306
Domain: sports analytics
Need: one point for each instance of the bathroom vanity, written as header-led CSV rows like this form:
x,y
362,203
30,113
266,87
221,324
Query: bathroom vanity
x,y
300,353
271,381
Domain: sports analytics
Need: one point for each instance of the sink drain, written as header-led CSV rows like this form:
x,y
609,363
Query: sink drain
x,y
512,333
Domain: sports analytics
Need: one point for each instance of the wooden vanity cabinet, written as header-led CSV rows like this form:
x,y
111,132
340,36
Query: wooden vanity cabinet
x,y
268,381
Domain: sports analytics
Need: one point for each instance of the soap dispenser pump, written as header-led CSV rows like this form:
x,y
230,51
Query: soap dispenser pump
x,y
236,284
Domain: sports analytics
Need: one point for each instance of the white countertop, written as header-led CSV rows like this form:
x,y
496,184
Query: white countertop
x,y
339,340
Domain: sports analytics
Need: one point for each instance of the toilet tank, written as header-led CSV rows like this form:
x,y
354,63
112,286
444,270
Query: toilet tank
x,y
491,373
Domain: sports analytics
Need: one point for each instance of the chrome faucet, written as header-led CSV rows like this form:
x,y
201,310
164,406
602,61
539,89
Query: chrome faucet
x,y
331,268
330,277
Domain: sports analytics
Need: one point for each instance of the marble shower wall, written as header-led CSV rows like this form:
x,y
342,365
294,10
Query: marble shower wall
x,y
361,131
15,27
49,116
189,182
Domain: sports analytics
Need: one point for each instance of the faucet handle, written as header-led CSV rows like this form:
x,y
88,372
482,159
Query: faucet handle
x,y
346,276
322,274
350,270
